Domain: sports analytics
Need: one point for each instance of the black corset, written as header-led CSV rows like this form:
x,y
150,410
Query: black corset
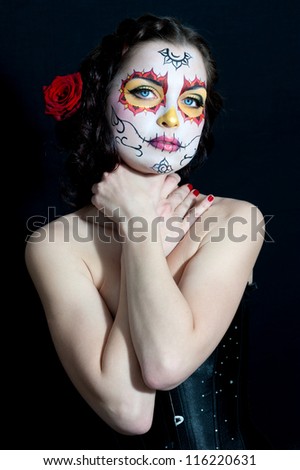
x,y
209,410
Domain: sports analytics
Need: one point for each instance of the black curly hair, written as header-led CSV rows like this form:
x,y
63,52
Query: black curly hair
x,y
87,136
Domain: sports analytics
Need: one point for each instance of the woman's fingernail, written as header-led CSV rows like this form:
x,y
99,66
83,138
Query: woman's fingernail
x,y
196,192
190,186
210,198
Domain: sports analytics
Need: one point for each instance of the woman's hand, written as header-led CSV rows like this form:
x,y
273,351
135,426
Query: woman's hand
x,y
124,193
153,202
178,210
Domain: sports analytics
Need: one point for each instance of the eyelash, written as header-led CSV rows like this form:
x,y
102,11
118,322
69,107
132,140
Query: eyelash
x,y
198,100
138,90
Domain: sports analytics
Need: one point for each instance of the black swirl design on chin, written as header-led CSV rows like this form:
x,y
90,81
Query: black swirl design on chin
x,y
122,141
187,157
163,167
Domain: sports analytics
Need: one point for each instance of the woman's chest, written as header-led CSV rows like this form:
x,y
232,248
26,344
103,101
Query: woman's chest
x,y
104,263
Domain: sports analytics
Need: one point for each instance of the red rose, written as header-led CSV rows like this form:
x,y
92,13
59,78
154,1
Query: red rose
x,y
62,96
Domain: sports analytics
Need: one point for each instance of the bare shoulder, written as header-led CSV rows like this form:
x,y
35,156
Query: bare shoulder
x,y
57,240
227,207
233,220
230,235
71,245
51,234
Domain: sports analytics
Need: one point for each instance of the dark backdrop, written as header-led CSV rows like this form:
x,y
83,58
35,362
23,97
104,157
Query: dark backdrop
x,y
256,158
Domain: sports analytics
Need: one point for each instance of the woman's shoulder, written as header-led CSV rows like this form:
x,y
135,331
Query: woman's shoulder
x,y
228,207
69,228
57,238
75,239
234,219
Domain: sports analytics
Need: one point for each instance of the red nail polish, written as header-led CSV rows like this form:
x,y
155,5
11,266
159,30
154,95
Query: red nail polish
x,y
210,198
190,186
196,192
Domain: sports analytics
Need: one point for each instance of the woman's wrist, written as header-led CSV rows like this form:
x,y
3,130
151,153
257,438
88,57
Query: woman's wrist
x,y
137,228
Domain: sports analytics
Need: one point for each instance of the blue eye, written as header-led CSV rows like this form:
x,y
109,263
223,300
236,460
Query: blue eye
x,y
143,93
188,101
193,102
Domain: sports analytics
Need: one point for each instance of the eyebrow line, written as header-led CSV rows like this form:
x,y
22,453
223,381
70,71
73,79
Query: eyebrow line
x,y
194,87
148,80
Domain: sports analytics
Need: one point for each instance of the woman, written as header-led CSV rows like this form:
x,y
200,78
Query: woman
x,y
142,281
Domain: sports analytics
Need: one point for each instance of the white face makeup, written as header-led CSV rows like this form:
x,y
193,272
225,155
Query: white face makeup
x,y
156,107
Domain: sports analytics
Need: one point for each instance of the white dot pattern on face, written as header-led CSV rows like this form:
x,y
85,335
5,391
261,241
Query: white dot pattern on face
x,y
209,400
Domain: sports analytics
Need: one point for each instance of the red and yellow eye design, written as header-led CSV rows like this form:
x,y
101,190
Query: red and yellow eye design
x,y
192,100
143,91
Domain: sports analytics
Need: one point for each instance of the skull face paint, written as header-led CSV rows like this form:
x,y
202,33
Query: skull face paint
x,y
176,61
192,98
155,109
144,91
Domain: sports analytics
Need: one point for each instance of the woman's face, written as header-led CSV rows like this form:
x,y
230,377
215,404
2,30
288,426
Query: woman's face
x,y
156,106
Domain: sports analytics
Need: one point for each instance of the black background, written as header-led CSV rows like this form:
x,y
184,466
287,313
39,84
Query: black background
x,y
256,158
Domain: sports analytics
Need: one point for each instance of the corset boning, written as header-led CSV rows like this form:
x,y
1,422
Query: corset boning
x,y
209,409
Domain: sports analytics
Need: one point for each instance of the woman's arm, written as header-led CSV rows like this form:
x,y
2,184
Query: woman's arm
x,y
96,352
174,328
179,308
